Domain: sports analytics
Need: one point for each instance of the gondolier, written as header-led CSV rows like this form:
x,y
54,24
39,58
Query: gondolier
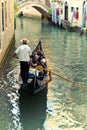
x,y
23,53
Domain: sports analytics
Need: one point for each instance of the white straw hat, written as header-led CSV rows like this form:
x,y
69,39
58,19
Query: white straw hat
x,y
24,40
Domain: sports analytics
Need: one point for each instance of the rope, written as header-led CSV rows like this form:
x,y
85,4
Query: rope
x,y
74,83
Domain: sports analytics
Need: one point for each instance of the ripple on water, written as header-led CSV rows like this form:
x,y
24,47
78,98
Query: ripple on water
x,y
66,54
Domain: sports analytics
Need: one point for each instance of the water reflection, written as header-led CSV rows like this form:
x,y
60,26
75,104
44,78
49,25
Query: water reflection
x,y
33,110
21,23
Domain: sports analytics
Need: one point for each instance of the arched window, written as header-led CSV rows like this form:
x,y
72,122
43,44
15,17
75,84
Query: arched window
x,y
66,11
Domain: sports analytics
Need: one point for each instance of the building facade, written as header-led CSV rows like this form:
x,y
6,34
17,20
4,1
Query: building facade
x,y
6,25
74,11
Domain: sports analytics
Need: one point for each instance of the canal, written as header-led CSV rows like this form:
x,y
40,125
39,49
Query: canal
x,y
64,105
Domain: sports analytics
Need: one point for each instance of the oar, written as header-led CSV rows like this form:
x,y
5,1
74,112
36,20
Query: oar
x,y
59,75
74,83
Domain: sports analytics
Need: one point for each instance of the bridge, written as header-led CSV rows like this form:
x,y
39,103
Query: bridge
x,y
42,7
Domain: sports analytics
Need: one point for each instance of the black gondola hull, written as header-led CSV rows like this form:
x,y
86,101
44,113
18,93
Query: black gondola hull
x,y
36,82
33,87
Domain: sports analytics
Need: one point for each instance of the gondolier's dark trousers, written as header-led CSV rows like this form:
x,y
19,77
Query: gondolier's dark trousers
x,y
24,70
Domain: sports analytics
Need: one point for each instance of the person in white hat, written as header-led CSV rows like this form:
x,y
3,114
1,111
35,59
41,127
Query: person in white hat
x,y
23,53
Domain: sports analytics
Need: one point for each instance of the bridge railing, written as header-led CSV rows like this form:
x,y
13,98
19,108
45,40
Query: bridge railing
x,y
44,2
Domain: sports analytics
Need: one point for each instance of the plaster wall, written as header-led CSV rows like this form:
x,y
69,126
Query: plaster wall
x,y
7,33
76,4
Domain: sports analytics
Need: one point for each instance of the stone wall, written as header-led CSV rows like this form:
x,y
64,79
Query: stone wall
x,y
7,25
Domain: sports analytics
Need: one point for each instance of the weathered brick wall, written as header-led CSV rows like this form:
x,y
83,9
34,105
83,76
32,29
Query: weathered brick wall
x,y
7,27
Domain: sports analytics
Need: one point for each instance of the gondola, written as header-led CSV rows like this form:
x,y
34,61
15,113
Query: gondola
x,y
38,74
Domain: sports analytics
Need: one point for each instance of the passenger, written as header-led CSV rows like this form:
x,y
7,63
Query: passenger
x,y
43,62
34,59
39,52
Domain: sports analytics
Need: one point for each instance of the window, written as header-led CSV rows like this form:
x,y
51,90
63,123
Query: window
x,y
66,4
72,9
77,8
0,31
6,14
2,16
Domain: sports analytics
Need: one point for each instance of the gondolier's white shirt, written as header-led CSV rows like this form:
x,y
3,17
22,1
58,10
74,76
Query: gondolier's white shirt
x,y
23,52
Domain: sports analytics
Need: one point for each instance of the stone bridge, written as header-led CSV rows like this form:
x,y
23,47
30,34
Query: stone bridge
x,y
42,7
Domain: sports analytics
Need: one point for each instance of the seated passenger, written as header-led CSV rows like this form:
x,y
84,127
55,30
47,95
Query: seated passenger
x,y
43,62
34,59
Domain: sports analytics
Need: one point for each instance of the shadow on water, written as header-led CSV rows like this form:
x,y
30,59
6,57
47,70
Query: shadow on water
x,y
33,110
8,56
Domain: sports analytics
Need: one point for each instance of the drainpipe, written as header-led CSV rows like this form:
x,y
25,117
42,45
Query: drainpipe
x,y
72,17
54,19
83,16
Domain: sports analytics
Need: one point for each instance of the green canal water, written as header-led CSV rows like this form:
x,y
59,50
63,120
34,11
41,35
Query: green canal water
x,y
64,105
